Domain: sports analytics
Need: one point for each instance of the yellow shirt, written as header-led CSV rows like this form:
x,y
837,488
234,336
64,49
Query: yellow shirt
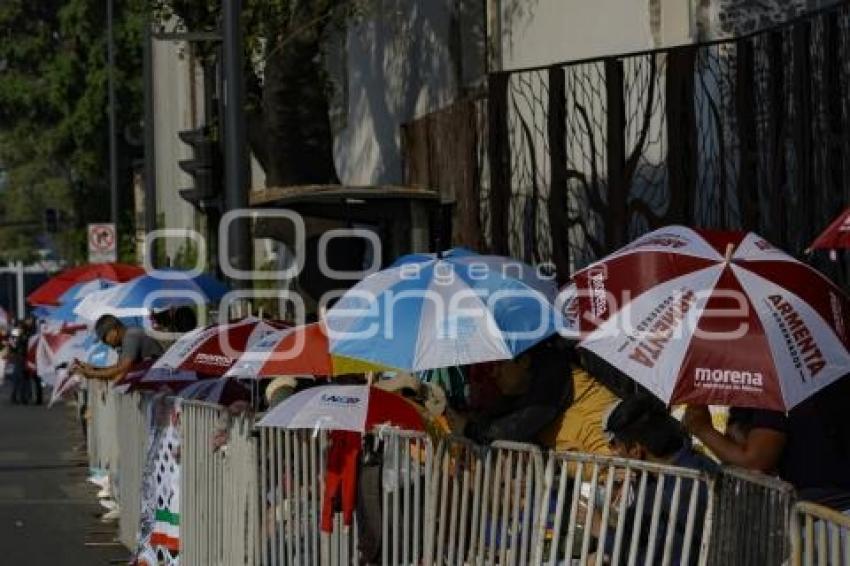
x,y
579,429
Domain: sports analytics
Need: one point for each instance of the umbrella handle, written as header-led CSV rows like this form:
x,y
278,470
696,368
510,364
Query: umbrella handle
x,y
729,249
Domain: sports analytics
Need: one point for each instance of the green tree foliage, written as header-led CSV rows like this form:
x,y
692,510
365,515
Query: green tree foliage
x,y
287,88
53,114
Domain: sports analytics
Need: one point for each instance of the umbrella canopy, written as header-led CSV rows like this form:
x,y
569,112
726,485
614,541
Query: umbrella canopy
x,y
221,391
144,294
300,350
356,408
431,311
712,319
836,235
70,299
59,347
210,351
52,289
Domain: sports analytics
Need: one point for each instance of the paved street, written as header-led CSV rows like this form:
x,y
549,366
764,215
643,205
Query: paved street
x,y
47,511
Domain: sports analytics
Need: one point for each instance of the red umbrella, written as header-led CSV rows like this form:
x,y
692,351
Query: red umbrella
x,y
346,411
49,292
718,318
836,235
210,351
301,350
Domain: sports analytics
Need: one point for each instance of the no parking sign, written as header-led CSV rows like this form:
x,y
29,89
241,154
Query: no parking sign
x,y
103,243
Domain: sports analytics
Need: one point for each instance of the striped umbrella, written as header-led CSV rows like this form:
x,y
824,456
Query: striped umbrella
x,y
440,310
712,318
209,351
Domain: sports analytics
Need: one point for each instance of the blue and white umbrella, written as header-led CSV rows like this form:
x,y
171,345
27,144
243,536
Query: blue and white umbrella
x,y
147,293
430,311
71,298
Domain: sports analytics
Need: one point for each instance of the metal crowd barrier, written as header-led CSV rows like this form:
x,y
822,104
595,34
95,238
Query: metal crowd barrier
x,y
632,512
752,514
406,482
103,423
218,489
819,535
292,465
259,501
484,503
133,439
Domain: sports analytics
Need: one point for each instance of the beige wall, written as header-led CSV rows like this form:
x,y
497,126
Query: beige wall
x,y
178,105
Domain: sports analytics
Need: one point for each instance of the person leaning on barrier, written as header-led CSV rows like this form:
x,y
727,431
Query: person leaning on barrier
x,y
640,428
132,344
808,448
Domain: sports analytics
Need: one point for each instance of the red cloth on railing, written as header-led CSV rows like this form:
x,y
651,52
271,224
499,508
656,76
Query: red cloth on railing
x,y
341,476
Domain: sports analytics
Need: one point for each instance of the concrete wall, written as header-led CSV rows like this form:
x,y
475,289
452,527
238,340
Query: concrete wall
x,y
541,32
402,61
178,105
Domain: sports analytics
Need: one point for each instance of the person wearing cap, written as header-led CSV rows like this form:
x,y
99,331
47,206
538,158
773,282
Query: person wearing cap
x,y
132,344
640,428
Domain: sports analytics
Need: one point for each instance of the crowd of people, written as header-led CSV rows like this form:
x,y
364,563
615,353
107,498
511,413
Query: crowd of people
x,y
14,350
562,399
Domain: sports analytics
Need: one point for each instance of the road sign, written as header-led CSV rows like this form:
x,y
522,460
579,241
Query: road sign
x,y
103,243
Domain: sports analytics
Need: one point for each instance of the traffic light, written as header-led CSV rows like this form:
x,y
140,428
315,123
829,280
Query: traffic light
x,y
51,220
203,167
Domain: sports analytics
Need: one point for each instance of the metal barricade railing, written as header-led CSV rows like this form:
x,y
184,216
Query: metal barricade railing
x,y
751,519
132,434
218,488
406,480
819,535
292,465
605,510
484,503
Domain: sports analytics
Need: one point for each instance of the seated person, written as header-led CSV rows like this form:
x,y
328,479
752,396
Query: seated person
x,y
579,428
809,447
536,388
641,429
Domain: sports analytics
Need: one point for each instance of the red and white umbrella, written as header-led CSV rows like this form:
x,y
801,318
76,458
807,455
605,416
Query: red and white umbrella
x,y
57,347
300,350
209,351
66,383
355,408
836,236
712,318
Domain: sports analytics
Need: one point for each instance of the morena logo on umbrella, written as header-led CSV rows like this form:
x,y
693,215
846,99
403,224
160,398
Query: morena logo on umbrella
x,y
728,379
334,399
214,360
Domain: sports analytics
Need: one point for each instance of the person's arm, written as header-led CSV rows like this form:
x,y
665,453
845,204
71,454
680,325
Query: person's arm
x,y
760,450
108,373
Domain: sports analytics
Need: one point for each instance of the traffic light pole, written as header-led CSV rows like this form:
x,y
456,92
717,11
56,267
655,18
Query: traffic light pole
x,y
235,147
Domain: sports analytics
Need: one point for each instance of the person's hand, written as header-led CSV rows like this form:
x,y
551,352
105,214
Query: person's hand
x,y
697,419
